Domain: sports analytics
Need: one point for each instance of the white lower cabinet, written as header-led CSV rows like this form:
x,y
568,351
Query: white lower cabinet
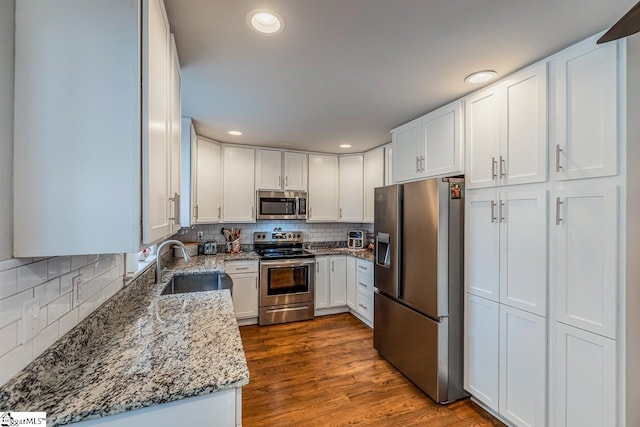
x,y
505,356
523,369
246,289
351,283
481,356
331,282
585,378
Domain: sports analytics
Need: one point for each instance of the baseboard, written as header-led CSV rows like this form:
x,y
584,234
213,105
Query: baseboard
x,y
247,321
491,411
332,310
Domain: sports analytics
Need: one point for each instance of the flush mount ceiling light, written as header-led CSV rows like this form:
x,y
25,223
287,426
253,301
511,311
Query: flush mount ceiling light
x,y
345,145
481,77
265,22
234,132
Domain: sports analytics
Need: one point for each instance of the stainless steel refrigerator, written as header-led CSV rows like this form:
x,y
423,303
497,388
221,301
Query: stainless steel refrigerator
x,y
418,307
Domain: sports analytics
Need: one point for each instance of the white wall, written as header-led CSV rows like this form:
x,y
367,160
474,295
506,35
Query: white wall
x,y
7,26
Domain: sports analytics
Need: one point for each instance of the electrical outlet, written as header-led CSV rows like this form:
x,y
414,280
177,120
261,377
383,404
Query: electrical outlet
x,y
78,283
30,319
200,235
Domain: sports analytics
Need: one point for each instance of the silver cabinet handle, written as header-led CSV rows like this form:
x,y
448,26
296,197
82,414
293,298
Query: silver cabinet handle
x,y
317,268
310,211
286,180
241,268
501,211
252,211
503,167
196,211
362,284
279,181
558,203
417,164
422,162
219,211
332,266
493,168
340,212
256,282
363,268
363,306
493,211
558,151
176,208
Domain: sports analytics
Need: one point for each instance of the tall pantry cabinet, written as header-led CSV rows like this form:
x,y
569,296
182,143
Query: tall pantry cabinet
x,y
79,186
542,245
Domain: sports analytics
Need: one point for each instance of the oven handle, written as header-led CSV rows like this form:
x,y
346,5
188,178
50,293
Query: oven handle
x,y
288,262
280,310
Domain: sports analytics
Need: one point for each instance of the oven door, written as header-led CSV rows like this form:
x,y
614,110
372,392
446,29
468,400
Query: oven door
x,y
287,281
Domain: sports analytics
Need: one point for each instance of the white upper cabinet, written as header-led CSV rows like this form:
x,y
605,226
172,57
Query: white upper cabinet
x,y
443,137
295,171
62,123
408,151
323,188
506,248
175,121
585,379
373,177
388,164
274,174
431,145
506,131
207,182
351,188
239,197
586,260
268,170
587,111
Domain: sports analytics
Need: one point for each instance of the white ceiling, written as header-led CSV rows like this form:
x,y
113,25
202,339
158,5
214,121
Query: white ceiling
x,y
348,71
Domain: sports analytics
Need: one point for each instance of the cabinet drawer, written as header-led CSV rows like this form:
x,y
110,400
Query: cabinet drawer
x,y
364,267
364,304
364,284
235,267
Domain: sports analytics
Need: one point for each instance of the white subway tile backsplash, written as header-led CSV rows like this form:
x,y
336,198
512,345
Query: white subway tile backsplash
x,y
59,266
32,275
66,282
14,263
47,292
8,283
85,309
15,360
44,339
67,322
78,261
11,308
8,338
58,308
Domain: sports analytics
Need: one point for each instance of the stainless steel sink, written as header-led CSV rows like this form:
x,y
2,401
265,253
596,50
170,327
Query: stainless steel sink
x,y
183,283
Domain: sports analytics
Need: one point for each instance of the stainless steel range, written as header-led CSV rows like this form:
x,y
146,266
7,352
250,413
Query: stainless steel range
x,y
287,277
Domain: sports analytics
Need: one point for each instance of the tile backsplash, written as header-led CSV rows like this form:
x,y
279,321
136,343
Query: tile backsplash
x,y
313,232
63,291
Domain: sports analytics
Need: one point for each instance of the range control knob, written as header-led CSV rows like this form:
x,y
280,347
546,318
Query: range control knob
x,y
298,235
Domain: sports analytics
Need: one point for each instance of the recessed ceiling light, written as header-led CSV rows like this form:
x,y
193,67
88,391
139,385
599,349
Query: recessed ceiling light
x,y
481,77
345,145
265,22
234,132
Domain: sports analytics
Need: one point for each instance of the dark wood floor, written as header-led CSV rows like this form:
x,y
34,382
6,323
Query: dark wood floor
x,y
326,372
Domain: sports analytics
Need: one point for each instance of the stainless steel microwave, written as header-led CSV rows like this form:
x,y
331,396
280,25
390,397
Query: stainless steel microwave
x,y
282,205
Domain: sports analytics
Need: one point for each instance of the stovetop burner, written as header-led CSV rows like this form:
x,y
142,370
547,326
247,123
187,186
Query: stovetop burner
x,y
280,245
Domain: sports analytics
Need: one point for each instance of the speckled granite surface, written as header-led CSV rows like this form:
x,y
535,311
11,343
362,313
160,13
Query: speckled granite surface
x,y
358,253
139,349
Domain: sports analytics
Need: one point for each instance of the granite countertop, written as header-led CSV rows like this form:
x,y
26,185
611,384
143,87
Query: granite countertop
x,y
364,254
139,349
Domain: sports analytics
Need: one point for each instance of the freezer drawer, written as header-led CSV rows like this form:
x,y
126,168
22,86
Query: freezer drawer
x,y
414,344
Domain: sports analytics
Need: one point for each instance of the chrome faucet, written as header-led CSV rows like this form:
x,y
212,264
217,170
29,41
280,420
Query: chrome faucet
x,y
187,258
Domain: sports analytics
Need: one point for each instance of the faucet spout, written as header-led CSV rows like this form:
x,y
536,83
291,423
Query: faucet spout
x,y
187,258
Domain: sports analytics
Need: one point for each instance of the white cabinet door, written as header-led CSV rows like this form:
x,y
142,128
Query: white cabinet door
x,y
323,281
481,319
443,136
351,188
239,198
373,177
245,295
586,261
268,170
155,132
175,193
585,379
207,177
408,148
482,138
523,367
523,156
482,246
388,164
523,250
323,188
351,282
587,111
338,287
295,171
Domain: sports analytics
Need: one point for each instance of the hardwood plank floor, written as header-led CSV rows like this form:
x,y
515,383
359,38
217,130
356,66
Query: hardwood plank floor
x,y
326,372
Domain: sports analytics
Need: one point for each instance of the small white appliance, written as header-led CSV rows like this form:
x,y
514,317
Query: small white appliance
x,y
355,239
